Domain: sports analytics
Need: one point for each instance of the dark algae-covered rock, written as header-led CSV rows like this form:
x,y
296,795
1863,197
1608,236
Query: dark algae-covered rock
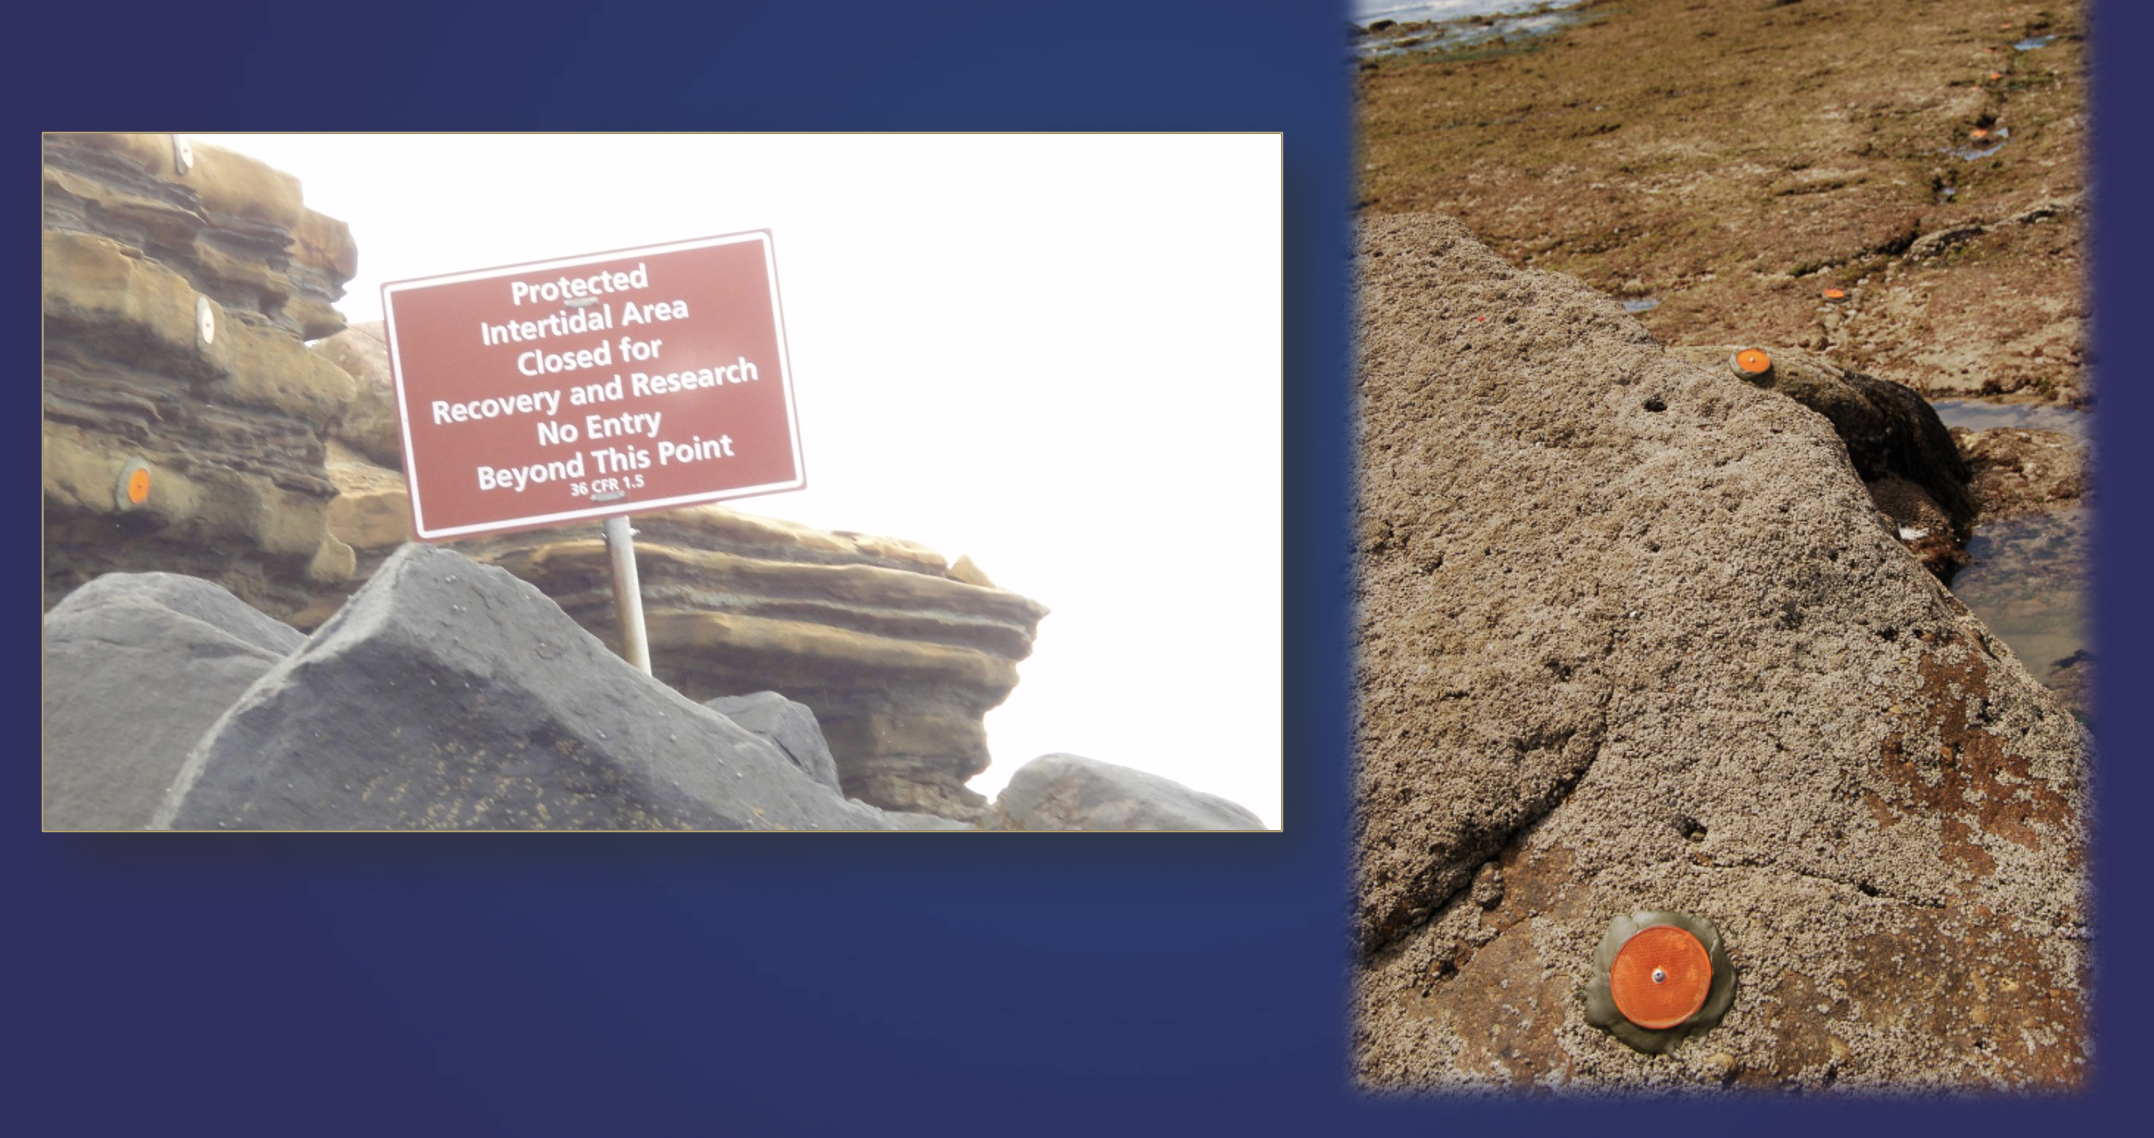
x,y
1899,447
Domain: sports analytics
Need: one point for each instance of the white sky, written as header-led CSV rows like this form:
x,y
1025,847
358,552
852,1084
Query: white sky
x,y
1059,354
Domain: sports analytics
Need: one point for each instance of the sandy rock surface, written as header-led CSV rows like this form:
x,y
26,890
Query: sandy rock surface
x,y
1631,631
1901,450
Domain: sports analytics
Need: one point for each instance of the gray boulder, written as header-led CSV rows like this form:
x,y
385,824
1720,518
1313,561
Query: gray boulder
x,y
1069,792
136,667
191,597
788,725
908,820
450,695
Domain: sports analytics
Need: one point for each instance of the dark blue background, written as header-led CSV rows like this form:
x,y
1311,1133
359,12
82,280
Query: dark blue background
x,y
621,983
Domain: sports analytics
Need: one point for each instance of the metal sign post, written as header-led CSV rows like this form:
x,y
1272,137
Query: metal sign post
x,y
627,593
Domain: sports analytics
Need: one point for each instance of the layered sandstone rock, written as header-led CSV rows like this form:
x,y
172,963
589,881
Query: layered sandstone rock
x,y
1632,635
370,425
184,417
899,659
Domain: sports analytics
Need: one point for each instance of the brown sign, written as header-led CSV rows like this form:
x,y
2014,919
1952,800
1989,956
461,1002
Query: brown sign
x,y
612,383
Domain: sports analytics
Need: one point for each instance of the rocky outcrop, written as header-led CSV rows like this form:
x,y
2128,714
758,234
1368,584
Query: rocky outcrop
x,y
370,424
1899,447
136,667
449,695
900,660
899,653
1632,635
1070,792
184,417
188,428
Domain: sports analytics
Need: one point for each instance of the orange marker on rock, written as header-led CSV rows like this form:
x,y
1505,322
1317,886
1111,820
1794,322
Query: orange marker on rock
x,y
1835,295
133,488
1751,364
1660,977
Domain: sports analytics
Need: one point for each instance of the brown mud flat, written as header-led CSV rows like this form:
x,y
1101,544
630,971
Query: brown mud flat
x,y
1733,159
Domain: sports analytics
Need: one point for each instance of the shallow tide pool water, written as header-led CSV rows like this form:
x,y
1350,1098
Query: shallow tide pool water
x,y
2028,584
1457,23
1977,415
2028,578
1366,12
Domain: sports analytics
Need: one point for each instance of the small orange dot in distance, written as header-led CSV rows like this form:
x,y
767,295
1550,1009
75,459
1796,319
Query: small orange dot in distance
x,y
1978,134
138,486
1835,294
1753,361
1660,977
1996,75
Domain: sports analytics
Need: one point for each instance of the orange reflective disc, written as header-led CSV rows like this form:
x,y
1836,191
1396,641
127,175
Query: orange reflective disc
x,y
1753,361
1835,294
1978,134
1660,977
1996,74
138,486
